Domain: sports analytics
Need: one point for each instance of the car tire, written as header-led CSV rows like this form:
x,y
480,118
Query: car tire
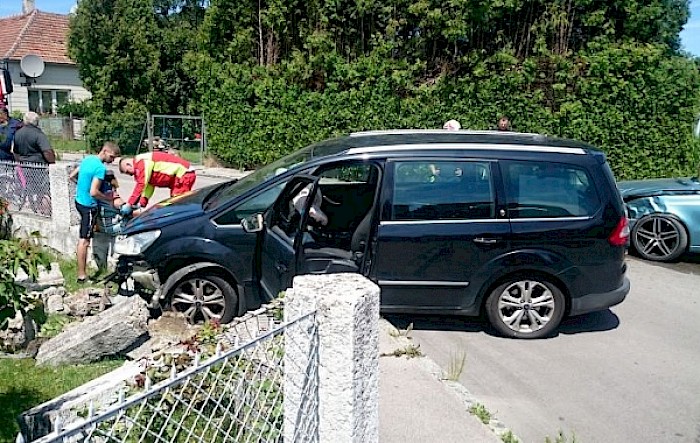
x,y
659,237
512,311
202,297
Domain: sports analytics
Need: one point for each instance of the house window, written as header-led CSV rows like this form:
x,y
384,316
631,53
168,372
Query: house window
x,y
47,101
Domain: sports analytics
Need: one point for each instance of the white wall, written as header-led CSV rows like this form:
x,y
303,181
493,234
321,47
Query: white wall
x,y
56,76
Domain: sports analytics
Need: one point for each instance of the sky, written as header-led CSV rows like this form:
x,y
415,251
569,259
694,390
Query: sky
x,y
690,36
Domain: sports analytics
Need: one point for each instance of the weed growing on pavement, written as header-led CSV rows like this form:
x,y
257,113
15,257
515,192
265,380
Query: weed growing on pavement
x,y
481,412
455,367
399,333
410,351
561,438
508,437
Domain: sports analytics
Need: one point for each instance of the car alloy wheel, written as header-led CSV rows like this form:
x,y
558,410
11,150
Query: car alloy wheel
x,y
525,308
659,238
202,298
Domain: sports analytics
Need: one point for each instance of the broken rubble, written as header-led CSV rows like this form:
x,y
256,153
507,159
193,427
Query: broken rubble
x,y
47,278
20,330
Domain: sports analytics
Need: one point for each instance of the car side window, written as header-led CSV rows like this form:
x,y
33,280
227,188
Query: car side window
x,y
253,205
442,190
549,190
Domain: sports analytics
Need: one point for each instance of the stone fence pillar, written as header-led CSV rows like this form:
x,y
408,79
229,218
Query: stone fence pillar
x,y
347,318
60,196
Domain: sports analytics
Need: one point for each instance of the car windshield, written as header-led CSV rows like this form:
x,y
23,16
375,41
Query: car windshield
x,y
251,180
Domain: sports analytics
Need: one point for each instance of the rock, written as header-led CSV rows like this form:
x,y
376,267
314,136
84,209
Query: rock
x,y
53,299
20,330
115,331
47,278
88,301
54,304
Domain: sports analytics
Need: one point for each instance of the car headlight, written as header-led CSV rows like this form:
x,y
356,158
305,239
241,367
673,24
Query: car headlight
x,y
135,244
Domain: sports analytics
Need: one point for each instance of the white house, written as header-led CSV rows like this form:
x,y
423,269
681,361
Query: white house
x,y
44,35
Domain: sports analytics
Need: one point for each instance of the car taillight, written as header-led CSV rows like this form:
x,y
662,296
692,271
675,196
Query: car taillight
x,y
621,234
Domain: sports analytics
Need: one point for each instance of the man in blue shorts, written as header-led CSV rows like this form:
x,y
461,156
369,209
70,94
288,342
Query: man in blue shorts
x,y
90,173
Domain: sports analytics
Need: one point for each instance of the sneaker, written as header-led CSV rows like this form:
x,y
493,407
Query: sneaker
x,y
84,281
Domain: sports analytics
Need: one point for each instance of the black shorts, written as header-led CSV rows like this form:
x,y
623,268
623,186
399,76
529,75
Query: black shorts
x,y
87,219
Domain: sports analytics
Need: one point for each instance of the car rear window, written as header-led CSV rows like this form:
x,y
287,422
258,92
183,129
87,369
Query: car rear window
x,y
549,190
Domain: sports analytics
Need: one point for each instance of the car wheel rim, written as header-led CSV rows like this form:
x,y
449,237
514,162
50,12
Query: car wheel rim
x,y
526,306
657,237
199,300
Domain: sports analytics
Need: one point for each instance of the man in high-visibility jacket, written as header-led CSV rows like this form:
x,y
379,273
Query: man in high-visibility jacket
x,y
156,170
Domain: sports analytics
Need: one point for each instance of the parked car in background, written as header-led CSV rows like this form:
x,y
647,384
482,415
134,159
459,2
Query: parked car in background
x,y
524,228
664,216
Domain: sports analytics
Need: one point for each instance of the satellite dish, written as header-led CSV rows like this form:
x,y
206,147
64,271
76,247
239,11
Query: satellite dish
x,y
32,65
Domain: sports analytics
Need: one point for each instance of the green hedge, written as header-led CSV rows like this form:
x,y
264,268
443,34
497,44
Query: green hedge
x,y
636,102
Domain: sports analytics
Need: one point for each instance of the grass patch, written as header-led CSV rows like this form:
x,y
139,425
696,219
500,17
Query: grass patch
x,y
69,269
24,385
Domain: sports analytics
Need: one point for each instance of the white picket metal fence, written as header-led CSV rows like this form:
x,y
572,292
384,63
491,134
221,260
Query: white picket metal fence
x,y
230,388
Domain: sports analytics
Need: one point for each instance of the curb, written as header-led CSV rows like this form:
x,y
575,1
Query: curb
x,y
496,426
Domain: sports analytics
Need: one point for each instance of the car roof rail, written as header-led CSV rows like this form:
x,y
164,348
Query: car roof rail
x,y
445,131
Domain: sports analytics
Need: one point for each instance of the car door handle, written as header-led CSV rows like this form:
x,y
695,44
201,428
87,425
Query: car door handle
x,y
485,241
281,268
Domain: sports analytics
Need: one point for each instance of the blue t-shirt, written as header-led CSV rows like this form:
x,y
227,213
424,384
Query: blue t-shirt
x,y
91,167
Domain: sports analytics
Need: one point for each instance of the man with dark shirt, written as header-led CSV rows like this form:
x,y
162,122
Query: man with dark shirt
x,y
8,127
31,144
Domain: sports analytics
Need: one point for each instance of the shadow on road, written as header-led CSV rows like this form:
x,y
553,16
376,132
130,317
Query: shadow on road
x,y
438,322
593,322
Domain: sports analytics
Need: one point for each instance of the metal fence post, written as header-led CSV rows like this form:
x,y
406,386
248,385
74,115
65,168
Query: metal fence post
x,y
348,332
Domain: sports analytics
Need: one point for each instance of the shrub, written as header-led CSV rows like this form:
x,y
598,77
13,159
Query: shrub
x,y
15,254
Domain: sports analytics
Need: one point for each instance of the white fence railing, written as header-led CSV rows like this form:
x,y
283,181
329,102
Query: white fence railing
x,y
232,395
308,378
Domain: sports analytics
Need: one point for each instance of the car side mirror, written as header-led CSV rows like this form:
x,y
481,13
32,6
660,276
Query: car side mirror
x,y
254,223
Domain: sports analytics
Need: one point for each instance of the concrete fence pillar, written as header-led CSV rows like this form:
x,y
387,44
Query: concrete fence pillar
x,y
60,196
347,318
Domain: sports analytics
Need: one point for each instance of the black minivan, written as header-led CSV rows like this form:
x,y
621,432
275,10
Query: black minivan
x,y
524,228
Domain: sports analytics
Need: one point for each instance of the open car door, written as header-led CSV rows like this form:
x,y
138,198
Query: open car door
x,y
280,250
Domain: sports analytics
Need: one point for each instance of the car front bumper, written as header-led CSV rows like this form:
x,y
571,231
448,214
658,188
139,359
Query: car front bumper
x,y
136,276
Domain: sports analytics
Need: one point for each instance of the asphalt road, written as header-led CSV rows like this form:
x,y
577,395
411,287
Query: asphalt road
x,y
628,374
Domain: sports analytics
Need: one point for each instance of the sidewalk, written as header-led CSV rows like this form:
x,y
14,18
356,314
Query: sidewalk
x,y
415,405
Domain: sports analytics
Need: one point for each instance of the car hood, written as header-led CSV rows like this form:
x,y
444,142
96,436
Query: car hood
x,y
662,186
167,212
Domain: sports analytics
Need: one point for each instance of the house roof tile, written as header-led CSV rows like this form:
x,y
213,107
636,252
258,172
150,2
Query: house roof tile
x,y
39,33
